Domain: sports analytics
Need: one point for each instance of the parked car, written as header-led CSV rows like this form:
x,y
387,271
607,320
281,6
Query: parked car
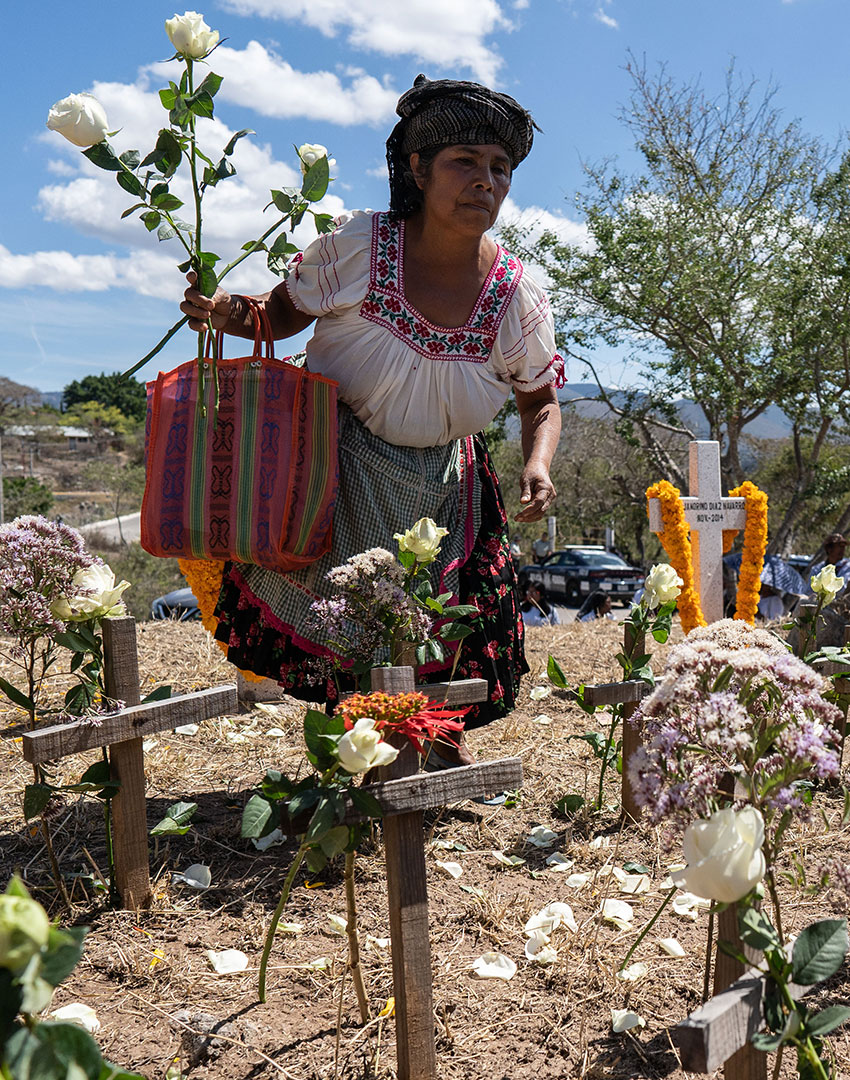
x,y
180,605
575,572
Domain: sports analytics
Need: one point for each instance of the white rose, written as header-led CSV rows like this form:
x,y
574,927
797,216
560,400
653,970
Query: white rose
x,y
662,585
98,596
363,748
827,584
24,927
309,153
190,35
80,118
423,540
724,855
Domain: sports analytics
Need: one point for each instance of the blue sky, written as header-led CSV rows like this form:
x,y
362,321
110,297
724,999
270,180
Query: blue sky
x,y
83,292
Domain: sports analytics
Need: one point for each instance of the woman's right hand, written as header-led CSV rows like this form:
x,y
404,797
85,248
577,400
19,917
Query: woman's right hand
x,y
217,308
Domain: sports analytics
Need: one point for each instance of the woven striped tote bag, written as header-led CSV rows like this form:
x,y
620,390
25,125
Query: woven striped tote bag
x,y
256,479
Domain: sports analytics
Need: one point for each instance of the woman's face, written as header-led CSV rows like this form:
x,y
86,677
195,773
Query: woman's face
x,y
465,186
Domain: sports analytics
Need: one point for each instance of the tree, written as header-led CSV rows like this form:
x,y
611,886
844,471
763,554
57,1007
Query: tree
x,y
125,484
112,391
25,495
16,399
722,264
104,423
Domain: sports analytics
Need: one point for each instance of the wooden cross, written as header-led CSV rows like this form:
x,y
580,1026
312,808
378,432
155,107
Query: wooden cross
x,y
404,794
629,694
708,513
123,733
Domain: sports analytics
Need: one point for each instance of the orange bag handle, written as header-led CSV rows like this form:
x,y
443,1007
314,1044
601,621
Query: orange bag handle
x,y
262,333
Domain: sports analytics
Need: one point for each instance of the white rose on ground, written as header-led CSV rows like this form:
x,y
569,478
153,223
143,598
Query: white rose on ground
x,y
662,585
190,35
363,748
98,596
80,118
724,856
423,540
310,153
827,584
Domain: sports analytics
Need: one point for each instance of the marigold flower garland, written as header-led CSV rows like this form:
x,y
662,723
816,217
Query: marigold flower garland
x,y
752,558
675,539
203,577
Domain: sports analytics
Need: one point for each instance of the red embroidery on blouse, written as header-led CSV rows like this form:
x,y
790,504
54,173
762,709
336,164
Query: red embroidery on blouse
x,y
386,304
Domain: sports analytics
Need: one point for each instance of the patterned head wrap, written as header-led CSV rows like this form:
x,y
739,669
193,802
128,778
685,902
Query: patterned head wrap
x,y
445,112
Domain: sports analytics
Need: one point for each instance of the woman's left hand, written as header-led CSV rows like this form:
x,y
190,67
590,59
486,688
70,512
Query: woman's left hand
x,y
537,492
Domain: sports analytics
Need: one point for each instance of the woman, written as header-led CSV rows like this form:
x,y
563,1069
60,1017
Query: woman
x,y
427,324
536,609
597,606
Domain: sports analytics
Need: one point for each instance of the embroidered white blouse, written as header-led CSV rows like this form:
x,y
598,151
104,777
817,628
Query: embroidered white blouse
x,y
410,382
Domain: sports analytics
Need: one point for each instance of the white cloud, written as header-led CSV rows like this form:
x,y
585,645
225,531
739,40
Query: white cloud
x,y
260,80
447,33
534,221
601,16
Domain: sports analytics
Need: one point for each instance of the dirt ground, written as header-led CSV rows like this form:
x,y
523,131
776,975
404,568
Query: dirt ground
x,y
149,980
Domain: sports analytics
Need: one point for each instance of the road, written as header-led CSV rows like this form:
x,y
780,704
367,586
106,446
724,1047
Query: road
x,y
109,530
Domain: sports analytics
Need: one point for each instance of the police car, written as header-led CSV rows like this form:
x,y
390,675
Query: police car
x,y
576,571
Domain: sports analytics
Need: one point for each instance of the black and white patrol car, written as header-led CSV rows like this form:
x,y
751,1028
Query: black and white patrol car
x,y
576,571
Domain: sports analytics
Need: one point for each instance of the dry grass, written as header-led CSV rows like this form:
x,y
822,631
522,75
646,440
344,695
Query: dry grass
x,y
138,971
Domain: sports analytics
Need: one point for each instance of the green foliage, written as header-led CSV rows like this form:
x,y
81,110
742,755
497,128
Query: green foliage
x,y
177,820
34,1049
25,495
113,391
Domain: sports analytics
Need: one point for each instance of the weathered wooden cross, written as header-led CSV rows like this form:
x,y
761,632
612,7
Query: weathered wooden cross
x,y
708,513
628,693
123,733
404,794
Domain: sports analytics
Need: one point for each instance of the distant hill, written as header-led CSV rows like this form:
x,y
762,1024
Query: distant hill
x,y
772,424
52,398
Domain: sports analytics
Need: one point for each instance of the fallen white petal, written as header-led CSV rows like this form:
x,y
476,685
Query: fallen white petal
x,y
493,965
197,876
276,733
148,745
559,862
578,881
186,729
236,737
634,884
268,708
688,905
290,927
543,718
542,837
507,860
625,1020
77,1013
671,946
539,950
453,869
378,942
556,914
617,910
227,961
617,872
537,693
263,843
336,924
599,842
633,972
319,964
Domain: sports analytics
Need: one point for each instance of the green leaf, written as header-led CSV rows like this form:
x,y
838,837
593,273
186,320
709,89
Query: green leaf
x,y
457,611
827,1020
102,155
636,868
52,1050
211,84
315,859
176,821
757,931
302,801
63,952
568,805
167,96
36,797
16,697
208,258
116,1072
151,219
201,104
324,223
130,183
166,232
276,785
159,693
819,951
761,1040
323,820
315,183
555,673
282,246
365,802
254,245
335,841
282,201
594,739
256,816
130,158
166,202
455,631
167,153
207,280
228,150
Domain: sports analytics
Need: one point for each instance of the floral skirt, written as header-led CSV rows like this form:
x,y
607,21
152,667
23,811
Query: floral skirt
x,y
259,642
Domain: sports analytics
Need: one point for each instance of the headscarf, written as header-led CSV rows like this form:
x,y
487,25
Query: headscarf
x,y
445,112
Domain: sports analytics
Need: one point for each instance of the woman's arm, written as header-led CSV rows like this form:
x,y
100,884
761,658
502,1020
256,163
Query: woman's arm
x,y
540,417
232,315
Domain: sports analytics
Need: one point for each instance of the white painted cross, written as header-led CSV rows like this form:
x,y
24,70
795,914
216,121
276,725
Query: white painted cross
x,y
707,513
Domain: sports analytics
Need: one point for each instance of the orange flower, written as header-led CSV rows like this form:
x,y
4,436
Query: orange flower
x,y
203,577
676,541
752,558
